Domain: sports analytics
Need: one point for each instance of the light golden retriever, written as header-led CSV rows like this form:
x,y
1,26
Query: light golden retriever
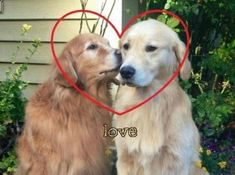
x,y
63,130
168,140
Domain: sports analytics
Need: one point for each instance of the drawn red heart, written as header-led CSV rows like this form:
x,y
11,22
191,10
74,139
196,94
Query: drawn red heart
x,y
175,74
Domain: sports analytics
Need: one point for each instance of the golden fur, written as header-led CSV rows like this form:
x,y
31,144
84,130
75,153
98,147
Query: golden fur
x,y
168,140
62,134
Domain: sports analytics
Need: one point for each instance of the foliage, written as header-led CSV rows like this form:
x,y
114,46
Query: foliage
x,y
213,107
215,162
8,163
211,88
12,104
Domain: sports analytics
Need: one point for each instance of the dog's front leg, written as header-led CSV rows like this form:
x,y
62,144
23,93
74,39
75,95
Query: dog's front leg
x,y
124,166
147,170
126,163
167,163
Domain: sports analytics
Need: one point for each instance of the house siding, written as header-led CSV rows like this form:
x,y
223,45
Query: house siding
x,y
42,15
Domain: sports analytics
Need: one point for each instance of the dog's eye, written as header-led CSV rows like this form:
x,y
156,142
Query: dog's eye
x,y
150,48
126,46
92,47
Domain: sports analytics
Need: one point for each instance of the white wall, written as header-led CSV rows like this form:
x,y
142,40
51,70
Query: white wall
x,y
115,18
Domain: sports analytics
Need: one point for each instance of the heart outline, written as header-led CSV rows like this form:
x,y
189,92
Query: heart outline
x,y
86,95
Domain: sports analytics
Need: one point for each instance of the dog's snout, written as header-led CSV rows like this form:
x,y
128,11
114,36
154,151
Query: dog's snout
x,y
127,72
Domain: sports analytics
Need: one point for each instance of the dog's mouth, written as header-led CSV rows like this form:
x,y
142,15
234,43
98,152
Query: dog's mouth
x,y
116,69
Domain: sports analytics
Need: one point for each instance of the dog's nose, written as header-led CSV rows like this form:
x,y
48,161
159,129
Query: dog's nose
x,y
118,54
127,72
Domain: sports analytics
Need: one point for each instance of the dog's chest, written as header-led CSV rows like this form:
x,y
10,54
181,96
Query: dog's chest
x,y
83,128
150,120
147,121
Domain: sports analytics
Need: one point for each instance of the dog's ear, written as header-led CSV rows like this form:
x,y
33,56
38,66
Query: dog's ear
x,y
68,65
179,49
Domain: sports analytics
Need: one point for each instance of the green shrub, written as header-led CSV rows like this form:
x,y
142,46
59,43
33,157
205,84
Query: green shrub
x,y
12,105
8,163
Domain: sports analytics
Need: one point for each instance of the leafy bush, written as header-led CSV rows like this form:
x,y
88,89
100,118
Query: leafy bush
x,y
8,163
12,106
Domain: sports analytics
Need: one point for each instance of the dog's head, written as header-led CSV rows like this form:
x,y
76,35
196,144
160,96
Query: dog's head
x,y
88,59
151,50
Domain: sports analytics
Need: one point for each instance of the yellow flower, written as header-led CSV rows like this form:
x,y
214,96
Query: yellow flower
x,y
198,164
222,164
208,152
204,168
25,28
200,150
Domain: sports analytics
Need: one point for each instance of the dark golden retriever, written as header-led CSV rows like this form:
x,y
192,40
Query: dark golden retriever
x,y
62,134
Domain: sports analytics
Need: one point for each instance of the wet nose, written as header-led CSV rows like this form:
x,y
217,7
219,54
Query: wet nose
x,y
127,72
